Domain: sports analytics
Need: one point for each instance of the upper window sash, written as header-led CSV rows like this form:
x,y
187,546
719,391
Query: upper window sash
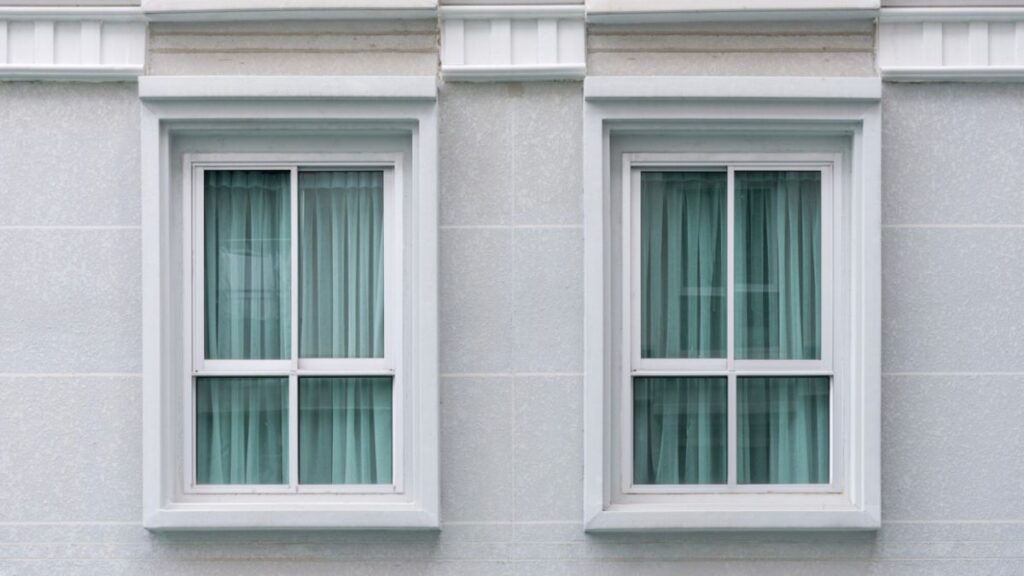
x,y
197,165
633,166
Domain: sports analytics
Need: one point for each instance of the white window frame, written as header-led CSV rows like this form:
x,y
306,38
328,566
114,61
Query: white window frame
x,y
733,110
296,367
397,117
634,365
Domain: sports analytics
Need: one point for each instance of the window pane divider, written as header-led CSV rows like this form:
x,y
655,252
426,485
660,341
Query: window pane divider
x,y
731,429
293,379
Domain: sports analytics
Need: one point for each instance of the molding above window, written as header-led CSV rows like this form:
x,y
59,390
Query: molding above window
x,y
69,43
213,10
735,87
653,11
501,43
285,116
951,44
722,116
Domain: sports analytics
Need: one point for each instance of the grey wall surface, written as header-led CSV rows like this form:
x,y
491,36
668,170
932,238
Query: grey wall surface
x,y
511,347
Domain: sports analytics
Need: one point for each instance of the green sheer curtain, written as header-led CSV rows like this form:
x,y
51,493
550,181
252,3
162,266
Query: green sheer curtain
x,y
241,430
783,433
683,264
341,264
778,265
679,430
247,258
345,430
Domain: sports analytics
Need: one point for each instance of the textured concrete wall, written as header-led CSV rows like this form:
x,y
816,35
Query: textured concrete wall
x,y
332,47
511,346
740,48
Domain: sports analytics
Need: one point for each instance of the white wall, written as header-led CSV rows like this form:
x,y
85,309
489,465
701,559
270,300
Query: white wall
x,y
511,347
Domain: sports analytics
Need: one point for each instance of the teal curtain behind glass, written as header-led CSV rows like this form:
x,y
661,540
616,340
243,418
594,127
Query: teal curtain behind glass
x,y
345,430
341,264
783,435
241,430
683,264
679,430
778,265
247,255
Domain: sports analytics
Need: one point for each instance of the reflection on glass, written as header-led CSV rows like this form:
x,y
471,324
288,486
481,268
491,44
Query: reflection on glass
x,y
345,426
778,265
679,430
783,430
247,264
241,430
341,264
683,264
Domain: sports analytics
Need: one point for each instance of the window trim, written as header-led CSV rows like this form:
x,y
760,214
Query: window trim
x,y
801,108
388,111
633,365
196,165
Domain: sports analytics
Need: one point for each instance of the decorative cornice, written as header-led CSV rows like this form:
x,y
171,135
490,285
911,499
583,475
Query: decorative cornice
x,y
955,44
491,43
658,11
374,88
72,43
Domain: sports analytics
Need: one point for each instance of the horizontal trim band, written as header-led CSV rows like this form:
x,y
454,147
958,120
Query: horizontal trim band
x,y
484,73
513,12
739,87
909,15
288,87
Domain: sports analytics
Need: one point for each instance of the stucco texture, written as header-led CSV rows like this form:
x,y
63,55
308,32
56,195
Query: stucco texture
x,y
511,354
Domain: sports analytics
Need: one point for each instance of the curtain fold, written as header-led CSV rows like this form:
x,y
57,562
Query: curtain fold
x,y
778,265
247,259
679,430
683,264
341,264
783,435
241,426
345,433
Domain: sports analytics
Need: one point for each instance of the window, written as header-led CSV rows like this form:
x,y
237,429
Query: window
x,y
728,387
732,303
294,351
289,303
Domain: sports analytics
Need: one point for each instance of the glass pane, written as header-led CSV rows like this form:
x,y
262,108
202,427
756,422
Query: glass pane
x,y
247,231
241,430
778,265
679,430
783,430
345,430
683,264
341,264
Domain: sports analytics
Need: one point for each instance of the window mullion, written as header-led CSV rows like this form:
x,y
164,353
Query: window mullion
x,y
293,380
730,315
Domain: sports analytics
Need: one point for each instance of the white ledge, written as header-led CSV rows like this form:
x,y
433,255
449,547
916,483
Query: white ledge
x,y
63,13
737,87
514,11
288,87
894,15
220,10
655,11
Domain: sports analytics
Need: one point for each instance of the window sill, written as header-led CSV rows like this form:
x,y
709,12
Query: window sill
x,y
631,518
288,517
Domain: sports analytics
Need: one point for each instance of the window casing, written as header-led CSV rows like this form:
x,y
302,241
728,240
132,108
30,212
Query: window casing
x,y
307,125
671,126
725,367
300,369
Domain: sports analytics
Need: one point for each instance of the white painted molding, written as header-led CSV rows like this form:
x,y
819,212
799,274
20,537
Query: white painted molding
x,y
495,43
311,111
733,87
71,43
931,44
654,11
220,10
292,87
